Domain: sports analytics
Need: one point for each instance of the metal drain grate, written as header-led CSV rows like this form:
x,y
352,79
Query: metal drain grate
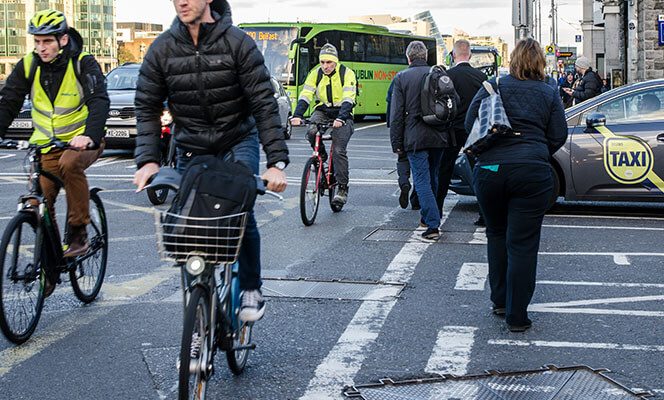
x,y
304,288
550,382
409,235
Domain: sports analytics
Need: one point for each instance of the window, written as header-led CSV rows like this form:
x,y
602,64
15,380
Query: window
x,y
646,105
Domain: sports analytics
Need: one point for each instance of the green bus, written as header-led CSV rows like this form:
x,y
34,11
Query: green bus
x,y
373,52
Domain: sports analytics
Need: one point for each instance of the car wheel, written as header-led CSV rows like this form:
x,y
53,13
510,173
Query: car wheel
x,y
556,188
288,131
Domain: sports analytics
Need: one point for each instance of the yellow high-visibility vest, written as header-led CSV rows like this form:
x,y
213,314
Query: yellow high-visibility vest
x,y
67,116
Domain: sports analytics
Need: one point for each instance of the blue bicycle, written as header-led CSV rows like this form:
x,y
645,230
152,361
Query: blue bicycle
x,y
206,250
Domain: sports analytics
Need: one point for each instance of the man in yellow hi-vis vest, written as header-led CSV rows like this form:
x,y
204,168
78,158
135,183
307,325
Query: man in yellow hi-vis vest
x,y
334,88
69,101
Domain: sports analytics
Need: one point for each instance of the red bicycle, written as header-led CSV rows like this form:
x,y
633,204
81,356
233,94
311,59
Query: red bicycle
x,y
318,176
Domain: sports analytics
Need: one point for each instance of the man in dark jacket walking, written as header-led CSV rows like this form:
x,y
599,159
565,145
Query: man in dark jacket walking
x,y
410,134
467,81
590,85
221,99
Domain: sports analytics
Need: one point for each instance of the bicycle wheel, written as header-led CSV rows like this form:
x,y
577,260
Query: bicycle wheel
x,y
21,279
157,196
194,352
309,192
88,274
237,359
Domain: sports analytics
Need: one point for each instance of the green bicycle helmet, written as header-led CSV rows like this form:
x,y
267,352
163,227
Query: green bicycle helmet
x,y
48,22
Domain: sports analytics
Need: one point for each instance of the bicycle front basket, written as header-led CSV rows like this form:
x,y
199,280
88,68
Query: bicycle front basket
x,y
216,239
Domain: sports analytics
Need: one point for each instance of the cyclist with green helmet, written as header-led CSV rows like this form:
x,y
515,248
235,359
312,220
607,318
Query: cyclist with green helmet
x,y
69,101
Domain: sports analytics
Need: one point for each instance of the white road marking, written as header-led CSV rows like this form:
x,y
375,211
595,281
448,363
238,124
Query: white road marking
x,y
594,254
574,307
472,276
346,357
578,345
479,237
370,126
146,210
7,156
604,227
451,355
605,284
603,217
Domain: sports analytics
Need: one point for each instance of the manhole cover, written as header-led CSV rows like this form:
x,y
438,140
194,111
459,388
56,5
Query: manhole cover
x,y
409,235
303,288
550,383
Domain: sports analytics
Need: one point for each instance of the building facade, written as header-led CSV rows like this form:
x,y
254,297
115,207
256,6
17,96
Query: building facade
x,y
622,39
93,19
134,39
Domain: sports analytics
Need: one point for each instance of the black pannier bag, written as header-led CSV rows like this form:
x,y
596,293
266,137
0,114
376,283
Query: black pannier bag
x,y
208,214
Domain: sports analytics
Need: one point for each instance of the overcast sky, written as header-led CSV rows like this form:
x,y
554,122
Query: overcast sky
x,y
477,17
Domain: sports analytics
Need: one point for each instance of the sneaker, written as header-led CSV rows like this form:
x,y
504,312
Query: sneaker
x,y
253,305
341,197
403,197
498,310
431,234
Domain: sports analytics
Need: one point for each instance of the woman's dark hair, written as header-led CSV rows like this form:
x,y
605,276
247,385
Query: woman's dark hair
x,y
527,61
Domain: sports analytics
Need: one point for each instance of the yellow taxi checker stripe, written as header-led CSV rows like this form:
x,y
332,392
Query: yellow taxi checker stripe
x,y
628,159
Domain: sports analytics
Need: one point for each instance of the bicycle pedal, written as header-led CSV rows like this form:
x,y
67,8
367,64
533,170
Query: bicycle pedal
x,y
250,346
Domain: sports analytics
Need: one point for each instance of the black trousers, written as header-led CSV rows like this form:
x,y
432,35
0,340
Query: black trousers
x,y
447,161
513,200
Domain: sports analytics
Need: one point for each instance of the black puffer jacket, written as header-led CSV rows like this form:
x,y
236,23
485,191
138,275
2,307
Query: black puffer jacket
x,y
589,87
218,92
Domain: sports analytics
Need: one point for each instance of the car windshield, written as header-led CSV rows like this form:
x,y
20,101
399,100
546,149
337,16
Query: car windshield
x,y
122,79
274,43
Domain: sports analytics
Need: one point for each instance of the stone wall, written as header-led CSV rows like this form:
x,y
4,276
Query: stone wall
x,y
650,53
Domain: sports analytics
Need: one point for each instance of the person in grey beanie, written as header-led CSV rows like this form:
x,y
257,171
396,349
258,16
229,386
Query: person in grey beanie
x,y
590,85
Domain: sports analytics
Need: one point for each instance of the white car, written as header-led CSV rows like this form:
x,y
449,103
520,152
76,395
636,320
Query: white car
x,y
285,111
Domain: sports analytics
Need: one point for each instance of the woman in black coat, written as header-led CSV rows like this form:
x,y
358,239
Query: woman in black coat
x,y
513,180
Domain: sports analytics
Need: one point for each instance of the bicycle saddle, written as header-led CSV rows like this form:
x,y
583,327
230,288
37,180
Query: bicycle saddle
x,y
165,178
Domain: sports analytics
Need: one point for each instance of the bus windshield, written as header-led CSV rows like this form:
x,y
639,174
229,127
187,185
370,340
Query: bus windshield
x,y
274,43
485,61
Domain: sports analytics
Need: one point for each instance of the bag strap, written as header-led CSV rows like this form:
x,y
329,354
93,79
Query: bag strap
x,y
488,87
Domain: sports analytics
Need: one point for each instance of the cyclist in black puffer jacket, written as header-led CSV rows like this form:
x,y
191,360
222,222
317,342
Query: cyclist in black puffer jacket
x,y
222,101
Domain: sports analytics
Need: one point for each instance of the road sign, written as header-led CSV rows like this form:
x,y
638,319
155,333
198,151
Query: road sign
x,y
661,30
550,50
577,38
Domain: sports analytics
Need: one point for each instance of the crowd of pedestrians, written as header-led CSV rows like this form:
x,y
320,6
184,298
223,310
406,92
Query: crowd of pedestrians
x,y
512,179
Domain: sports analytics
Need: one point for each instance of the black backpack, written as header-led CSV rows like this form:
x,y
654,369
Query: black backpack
x,y
210,189
438,97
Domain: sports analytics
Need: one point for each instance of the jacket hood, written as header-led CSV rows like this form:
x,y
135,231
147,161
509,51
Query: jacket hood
x,y
75,41
221,12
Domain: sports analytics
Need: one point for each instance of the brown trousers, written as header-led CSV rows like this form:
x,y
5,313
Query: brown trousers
x,y
69,166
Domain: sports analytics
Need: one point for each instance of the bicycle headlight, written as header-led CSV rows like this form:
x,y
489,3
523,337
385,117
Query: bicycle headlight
x,y
166,118
195,265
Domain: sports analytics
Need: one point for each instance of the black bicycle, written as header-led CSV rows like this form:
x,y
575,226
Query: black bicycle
x,y
206,251
31,250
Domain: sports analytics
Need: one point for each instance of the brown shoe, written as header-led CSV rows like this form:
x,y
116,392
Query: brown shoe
x,y
49,287
78,243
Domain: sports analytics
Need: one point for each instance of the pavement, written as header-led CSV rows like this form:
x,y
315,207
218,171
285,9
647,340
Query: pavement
x,y
598,301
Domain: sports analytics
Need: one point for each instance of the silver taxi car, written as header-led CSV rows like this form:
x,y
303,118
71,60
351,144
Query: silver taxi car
x,y
620,161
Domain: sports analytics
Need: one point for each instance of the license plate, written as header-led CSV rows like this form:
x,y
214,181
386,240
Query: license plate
x,y
119,133
21,125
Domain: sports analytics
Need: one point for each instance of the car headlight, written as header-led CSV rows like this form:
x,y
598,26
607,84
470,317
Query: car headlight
x,y
166,118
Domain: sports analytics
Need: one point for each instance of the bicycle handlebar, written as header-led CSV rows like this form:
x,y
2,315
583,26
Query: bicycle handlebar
x,y
170,178
24,144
